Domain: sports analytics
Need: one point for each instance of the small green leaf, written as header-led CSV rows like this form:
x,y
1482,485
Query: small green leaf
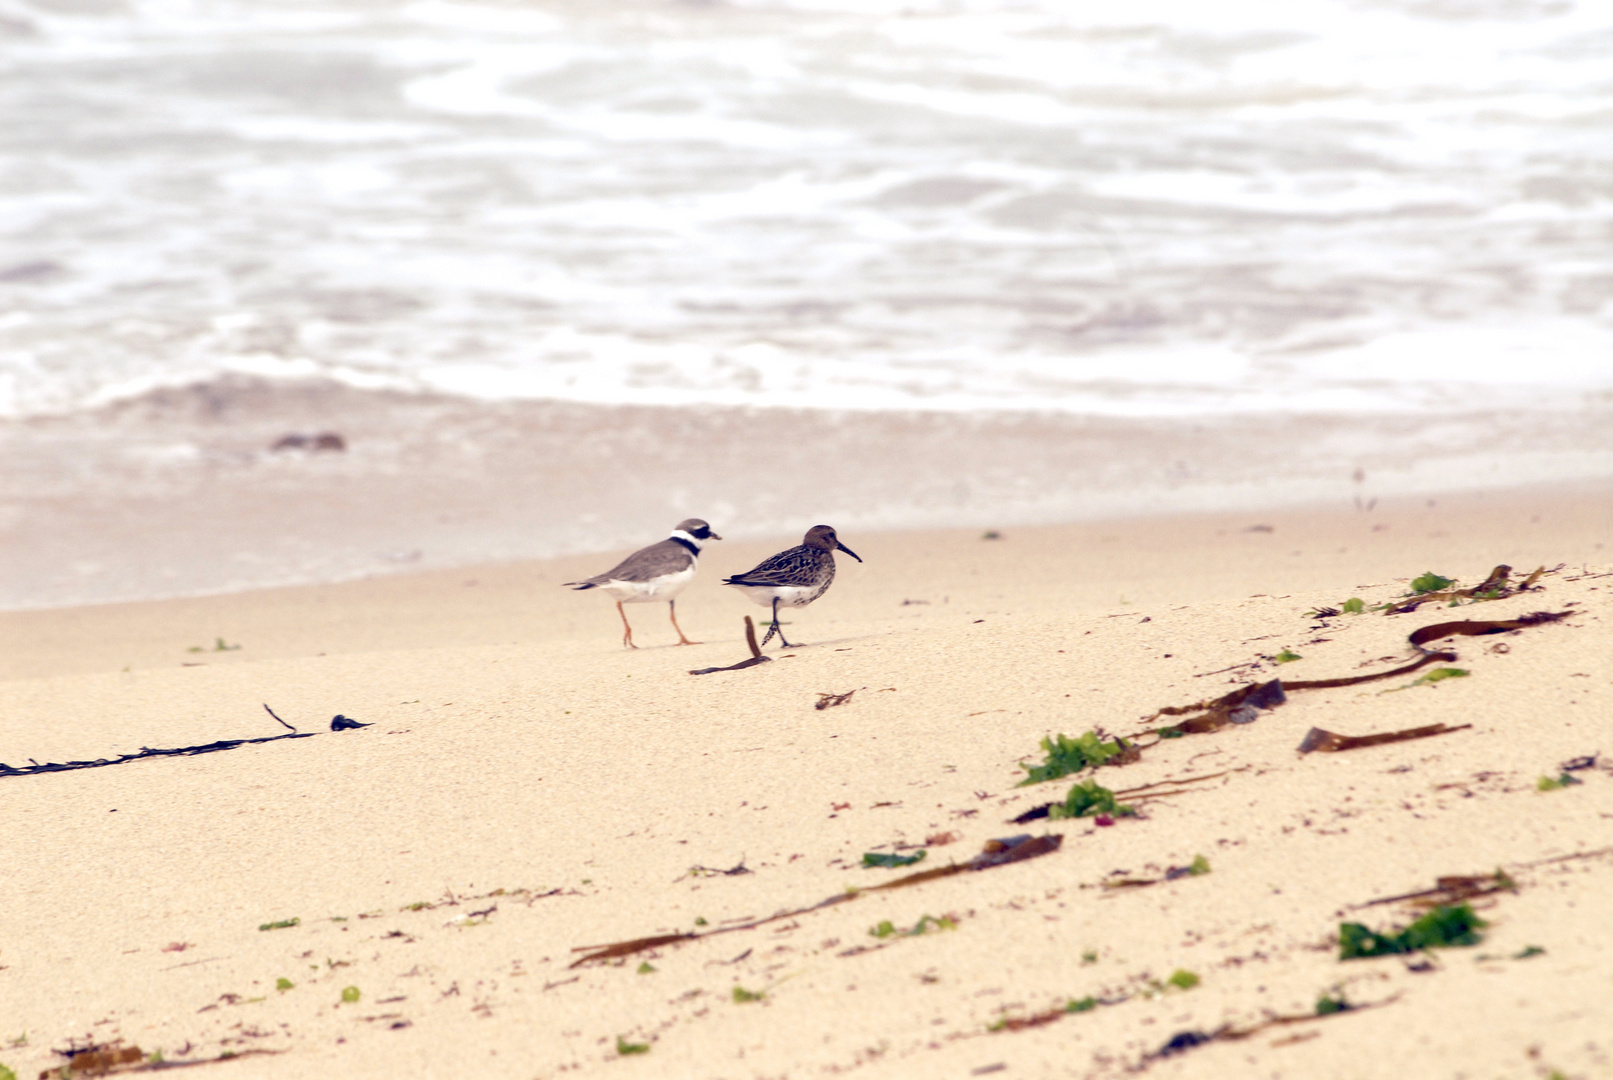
x,y
283,984
625,1048
873,859
700,920
1182,979
645,968
350,994
1199,865
1287,656
280,925
1066,755
1328,1004
1528,951
1353,606
742,995
1089,799
1431,582
1440,674
1546,783
7,1074
1086,1004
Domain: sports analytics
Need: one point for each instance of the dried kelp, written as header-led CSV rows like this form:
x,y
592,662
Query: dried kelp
x,y
1432,587
147,752
1327,1006
1452,889
102,1059
1327,742
829,701
1199,866
995,853
756,656
1477,628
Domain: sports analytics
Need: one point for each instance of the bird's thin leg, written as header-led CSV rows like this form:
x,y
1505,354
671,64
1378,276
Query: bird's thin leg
x,y
672,609
776,629
627,636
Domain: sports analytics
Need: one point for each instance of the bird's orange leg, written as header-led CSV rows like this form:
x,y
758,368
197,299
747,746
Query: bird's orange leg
x,y
672,609
627,637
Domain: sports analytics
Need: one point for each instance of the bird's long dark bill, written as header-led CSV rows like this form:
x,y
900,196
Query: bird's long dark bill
x,y
848,551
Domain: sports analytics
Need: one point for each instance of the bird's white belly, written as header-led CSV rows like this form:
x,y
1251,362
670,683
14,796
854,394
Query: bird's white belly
x,y
788,595
641,592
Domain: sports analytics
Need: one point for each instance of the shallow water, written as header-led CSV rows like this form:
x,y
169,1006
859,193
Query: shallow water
x,y
1168,209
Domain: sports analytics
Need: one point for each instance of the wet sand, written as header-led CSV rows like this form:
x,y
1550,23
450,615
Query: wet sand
x,y
180,492
527,786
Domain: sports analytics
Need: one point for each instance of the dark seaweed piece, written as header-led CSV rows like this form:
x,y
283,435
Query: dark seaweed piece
x,y
1319,739
342,723
756,656
829,701
1576,764
1182,1041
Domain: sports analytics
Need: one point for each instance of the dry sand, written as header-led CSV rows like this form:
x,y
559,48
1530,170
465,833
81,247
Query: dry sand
x,y
527,786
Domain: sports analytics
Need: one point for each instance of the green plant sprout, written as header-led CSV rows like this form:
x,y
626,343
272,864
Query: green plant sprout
x,y
625,1048
1430,582
280,924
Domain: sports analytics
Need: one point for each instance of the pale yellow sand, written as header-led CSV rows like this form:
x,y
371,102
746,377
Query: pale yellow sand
x,y
516,746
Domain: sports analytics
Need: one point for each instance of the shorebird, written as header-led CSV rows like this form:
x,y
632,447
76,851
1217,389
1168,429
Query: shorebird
x,y
795,577
658,572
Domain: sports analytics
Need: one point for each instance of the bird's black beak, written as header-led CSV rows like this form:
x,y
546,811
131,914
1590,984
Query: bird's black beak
x,y
711,535
848,551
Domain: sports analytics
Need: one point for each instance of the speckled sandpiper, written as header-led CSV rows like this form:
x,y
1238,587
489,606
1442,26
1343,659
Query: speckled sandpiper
x,y
795,577
658,572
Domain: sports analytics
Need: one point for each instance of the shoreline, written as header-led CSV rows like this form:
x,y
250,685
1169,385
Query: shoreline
x,y
180,492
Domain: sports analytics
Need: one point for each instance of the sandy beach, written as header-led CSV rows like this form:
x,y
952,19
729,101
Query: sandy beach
x,y
409,898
